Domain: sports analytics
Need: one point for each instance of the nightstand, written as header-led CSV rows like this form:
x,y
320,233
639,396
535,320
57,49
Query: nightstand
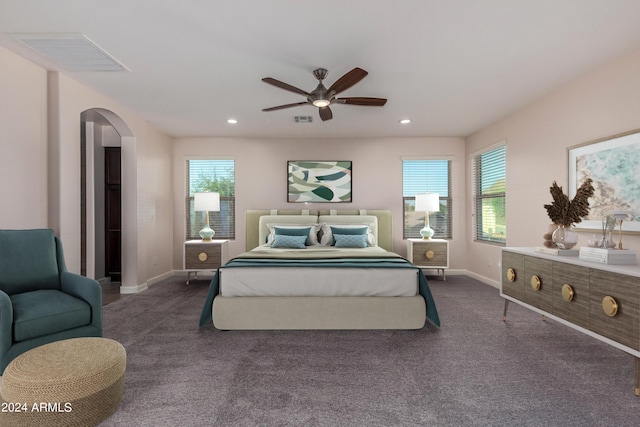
x,y
432,253
204,256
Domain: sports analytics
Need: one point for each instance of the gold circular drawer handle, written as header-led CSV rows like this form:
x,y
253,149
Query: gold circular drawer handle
x,y
429,254
535,282
202,256
609,306
511,275
567,292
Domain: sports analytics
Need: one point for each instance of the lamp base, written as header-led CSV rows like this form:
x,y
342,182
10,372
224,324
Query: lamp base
x,y
427,233
207,233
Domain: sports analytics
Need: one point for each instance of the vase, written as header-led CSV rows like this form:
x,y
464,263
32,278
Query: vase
x,y
594,242
548,239
565,237
607,242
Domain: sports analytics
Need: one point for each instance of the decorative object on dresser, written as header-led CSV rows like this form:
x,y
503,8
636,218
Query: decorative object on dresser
x,y
206,202
620,216
558,252
611,163
204,256
608,255
566,213
426,254
608,224
319,181
427,202
599,300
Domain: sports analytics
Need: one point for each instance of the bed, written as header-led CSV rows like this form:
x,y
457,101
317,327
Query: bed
x,y
324,269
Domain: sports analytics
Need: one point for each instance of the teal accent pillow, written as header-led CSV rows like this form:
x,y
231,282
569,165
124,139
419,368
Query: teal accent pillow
x,y
286,231
286,241
350,240
349,230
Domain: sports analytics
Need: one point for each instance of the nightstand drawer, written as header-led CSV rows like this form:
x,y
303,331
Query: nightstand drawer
x,y
429,254
203,256
199,255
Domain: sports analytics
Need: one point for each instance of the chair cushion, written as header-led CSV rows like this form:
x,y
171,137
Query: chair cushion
x,y
46,312
28,261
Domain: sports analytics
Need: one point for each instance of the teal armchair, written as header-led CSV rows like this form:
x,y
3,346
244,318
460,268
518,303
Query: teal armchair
x,y
40,301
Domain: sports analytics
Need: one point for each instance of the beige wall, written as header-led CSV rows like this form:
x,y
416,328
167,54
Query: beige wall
x,y
602,103
261,178
41,140
23,143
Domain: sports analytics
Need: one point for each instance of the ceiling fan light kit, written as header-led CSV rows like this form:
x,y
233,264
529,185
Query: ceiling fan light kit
x,y
322,97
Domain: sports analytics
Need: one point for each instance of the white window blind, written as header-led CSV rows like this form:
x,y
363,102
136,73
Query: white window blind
x,y
211,175
421,176
489,195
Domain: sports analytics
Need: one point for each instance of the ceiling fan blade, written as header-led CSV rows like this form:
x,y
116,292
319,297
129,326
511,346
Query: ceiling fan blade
x,y
348,80
285,86
282,107
325,113
373,102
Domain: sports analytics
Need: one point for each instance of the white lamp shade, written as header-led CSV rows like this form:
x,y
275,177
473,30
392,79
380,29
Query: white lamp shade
x,y
208,202
427,202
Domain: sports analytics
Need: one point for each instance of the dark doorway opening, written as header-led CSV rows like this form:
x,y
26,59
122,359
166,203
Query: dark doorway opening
x,y
113,213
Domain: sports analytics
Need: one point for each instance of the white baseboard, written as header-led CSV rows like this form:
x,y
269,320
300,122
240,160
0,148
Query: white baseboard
x,y
483,279
133,289
161,277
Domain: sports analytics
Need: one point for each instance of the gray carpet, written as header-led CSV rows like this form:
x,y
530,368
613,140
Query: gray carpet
x,y
475,370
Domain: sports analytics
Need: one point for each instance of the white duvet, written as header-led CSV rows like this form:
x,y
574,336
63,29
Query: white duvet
x,y
309,281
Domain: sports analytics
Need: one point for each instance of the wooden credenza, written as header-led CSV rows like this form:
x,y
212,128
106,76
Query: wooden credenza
x,y
600,300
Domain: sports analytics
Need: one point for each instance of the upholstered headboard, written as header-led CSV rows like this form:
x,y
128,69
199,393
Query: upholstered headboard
x,y
252,222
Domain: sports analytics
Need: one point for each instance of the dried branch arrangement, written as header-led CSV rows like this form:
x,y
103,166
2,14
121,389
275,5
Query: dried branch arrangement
x,y
565,212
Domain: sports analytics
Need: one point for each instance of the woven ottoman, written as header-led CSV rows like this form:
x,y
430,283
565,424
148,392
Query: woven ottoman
x,y
74,382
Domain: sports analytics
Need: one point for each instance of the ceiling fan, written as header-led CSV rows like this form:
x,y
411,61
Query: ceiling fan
x,y
322,97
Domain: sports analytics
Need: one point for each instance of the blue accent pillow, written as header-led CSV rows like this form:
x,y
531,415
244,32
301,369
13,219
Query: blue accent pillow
x,y
350,240
349,230
286,231
286,241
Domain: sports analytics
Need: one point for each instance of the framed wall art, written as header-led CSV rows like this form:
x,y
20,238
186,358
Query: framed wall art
x,y
319,181
613,164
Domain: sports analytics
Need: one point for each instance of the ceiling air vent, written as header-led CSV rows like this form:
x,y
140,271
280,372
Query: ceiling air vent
x,y
74,52
303,119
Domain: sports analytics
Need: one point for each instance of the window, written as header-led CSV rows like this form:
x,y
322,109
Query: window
x,y
421,176
489,195
211,175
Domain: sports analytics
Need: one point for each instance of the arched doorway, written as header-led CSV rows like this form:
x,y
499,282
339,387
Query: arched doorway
x,y
108,199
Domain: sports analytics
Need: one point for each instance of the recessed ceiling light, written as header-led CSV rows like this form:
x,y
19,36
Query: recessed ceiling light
x,y
232,121
405,121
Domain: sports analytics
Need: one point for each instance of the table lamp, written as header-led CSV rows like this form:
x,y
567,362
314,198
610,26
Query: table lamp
x,y
207,202
427,202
